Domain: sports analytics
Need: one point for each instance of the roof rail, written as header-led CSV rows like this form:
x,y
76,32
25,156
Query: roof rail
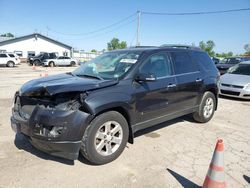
x,y
180,46
143,46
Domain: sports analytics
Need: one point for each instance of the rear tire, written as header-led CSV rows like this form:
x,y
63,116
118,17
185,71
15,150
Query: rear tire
x,y
10,64
105,138
72,63
206,108
51,64
36,62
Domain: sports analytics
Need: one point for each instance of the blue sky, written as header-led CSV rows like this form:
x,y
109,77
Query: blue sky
x,y
229,31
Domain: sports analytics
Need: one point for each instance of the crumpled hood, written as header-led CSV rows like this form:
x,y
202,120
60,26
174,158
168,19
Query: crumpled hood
x,y
63,83
235,79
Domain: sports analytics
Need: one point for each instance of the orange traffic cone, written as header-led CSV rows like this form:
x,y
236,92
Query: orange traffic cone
x,y
215,176
33,67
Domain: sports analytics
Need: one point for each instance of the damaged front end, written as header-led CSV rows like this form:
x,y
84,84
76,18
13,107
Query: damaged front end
x,y
54,123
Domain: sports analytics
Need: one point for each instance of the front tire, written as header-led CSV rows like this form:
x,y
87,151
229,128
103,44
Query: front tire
x,y
206,108
105,138
10,64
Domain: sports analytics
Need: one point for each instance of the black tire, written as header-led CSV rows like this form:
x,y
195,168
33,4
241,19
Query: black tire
x,y
88,147
51,64
10,64
199,116
72,63
36,62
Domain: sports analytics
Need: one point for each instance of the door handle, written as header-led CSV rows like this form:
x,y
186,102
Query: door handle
x,y
198,80
171,85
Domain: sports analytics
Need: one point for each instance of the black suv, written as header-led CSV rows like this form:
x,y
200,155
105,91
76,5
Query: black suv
x,y
98,107
38,59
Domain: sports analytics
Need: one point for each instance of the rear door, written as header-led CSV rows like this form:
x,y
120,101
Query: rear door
x,y
189,80
60,60
154,99
67,61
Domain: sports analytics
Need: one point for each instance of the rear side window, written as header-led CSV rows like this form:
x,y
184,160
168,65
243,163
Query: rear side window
x,y
203,59
3,55
11,55
183,63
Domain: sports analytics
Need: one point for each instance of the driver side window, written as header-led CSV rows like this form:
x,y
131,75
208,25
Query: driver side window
x,y
157,65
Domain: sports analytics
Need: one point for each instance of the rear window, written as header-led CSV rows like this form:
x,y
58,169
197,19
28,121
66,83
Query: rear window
x,y
183,63
203,59
11,55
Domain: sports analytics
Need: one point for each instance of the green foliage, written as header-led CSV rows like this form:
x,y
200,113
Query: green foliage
x,y
247,48
93,50
208,47
7,35
223,55
116,44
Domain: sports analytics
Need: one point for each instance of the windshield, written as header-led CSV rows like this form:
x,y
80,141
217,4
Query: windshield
x,y
109,65
243,69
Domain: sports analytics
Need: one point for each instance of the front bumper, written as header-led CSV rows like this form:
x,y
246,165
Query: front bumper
x,y
234,92
53,131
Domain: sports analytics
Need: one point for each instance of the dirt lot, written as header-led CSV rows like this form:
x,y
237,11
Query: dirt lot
x,y
173,154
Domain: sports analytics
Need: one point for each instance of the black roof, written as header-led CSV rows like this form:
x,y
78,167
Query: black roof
x,y
32,36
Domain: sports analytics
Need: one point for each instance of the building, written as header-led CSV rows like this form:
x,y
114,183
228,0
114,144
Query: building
x,y
34,44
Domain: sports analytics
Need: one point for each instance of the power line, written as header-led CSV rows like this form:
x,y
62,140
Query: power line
x,y
195,13
97,30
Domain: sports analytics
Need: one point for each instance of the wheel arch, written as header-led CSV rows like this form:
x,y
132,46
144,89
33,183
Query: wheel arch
x,y
124,112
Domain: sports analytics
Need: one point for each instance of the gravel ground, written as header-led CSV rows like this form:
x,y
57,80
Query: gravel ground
x,y
173,154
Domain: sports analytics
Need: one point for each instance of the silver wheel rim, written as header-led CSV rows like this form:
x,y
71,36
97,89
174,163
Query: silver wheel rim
x,y
208,108
108,138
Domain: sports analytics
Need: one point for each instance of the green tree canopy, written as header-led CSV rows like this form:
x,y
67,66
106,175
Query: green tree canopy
x,y
93,50
247,48
208,47
116,44
7,35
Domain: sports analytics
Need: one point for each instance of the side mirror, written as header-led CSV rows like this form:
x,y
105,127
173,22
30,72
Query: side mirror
x,y
145,78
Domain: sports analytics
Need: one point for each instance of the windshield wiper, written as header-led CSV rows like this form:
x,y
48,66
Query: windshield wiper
x,y
90,76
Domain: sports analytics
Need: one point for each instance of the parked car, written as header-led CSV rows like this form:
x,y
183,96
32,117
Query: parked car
x,y
226,63
97,108
38,59
13,55
236,82
8,60
60,61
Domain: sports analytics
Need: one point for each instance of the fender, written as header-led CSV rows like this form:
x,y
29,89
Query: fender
x,y
102,102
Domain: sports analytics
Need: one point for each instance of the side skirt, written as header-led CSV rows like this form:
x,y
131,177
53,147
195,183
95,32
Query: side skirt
x,y
161,119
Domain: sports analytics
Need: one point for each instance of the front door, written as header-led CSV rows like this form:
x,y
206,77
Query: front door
x,y
154,99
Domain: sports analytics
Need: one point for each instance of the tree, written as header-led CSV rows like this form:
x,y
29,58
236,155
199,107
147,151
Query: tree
x,y
208,47
116,44
247,48
93,50
7,35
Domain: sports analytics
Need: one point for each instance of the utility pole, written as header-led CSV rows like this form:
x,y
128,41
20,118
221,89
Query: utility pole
x,y
138,28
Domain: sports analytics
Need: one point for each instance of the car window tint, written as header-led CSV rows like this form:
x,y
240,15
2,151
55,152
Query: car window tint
x,y
3,55
182,63
203,59
234,60
11,55
158,65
